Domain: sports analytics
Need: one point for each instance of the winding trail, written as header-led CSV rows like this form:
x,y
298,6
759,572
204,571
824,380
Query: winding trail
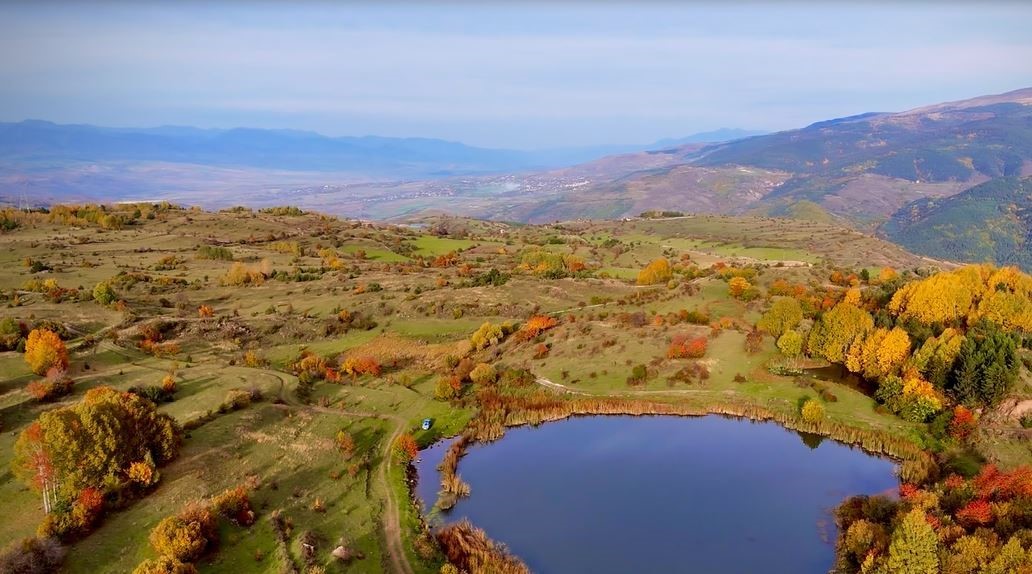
x,y
394,546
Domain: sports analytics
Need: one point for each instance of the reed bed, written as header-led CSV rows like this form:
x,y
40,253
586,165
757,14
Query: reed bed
x,y
452,486
470,549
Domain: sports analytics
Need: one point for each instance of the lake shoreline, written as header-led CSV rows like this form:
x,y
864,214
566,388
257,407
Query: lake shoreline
x,y
721,420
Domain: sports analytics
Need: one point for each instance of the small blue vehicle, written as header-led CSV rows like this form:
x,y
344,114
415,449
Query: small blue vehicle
x,y
426,424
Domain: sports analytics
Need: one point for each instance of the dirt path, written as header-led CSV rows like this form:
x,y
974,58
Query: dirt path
x,y
395,548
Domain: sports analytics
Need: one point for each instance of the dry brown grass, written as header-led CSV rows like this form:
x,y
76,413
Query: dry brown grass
x,y
469,548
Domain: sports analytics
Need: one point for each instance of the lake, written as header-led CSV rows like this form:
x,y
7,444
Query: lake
x,y
620,494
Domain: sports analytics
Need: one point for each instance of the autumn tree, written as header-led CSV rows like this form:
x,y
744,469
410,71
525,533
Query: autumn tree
x,y
104,294
657,271
345,443
165,565
790,343
93,443
913,548
832,334
879,353
863,537
54,385
488,335
483,374
448,387
687,347
784,314
359,365
963,423
887,274
187,535
1011,559
852,296
405,447
737,287
968,554
43,350
936,356
535,326
911,397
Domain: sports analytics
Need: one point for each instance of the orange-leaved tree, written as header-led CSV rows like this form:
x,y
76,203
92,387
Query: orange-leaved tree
x,y
405,447
535,326
43,350
361,365
737,286
685,347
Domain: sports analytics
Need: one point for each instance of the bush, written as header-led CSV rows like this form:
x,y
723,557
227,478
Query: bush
x,y
104,294
359,365
32,556
56,385
215,253
639,374
10,334
483,374
143,473
164,565
255,360
448,387
683,347
154,393
185,536
235,505
487,335
812,411
237,399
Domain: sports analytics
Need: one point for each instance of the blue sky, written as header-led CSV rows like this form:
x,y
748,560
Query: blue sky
x,y
501,74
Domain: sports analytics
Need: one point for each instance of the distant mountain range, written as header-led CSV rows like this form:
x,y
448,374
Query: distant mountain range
x,y
41,144
944,180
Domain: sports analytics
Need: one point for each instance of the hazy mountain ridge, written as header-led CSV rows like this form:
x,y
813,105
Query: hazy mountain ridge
x,y
36,143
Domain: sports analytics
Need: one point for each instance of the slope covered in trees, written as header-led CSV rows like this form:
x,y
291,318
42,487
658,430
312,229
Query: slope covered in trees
x,y
989,222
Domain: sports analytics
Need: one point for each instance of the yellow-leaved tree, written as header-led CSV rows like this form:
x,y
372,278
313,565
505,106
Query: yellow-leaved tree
x,y
43,350
834,333
658,271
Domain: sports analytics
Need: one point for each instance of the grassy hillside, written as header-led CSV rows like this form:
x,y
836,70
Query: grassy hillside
x,y
989,222
255,320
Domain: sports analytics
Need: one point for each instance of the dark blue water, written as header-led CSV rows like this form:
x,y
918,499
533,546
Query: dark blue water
x,y
623,495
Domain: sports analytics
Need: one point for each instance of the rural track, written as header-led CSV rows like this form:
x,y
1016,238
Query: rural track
x,y
395,548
